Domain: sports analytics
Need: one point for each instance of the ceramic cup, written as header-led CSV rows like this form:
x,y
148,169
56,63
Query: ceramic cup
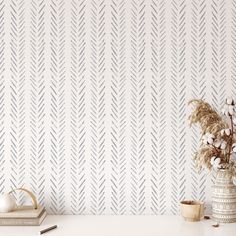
x,y
192,210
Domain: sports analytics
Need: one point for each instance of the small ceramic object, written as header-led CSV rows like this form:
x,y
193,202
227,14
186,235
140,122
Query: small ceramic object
x,y
192,210
7,203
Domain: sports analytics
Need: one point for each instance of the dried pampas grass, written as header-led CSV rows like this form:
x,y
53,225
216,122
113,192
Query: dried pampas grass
x,y
211,123
209,120
203,158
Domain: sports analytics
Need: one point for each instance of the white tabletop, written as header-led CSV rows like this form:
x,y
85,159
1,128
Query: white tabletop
x,y
121,226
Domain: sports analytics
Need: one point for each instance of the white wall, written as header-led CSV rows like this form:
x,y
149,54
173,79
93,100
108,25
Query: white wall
x,y
93,99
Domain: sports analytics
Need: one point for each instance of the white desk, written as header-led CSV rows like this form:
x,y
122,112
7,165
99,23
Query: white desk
x,y
122,226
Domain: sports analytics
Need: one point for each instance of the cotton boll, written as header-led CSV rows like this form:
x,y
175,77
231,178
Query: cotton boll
x,y
222,132
223,145
217,161
205,141
234,147
225,110
233,158
217,164
228,110
227,132
231,110
234,121
229,101
217,143
213,160
210,140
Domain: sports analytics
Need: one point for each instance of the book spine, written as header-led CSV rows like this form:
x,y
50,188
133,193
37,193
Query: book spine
x,y
23,222
19,222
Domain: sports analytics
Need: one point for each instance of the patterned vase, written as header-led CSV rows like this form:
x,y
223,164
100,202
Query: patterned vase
x,y
224,198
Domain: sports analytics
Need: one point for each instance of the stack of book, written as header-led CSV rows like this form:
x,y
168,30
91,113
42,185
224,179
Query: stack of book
x,y
23,216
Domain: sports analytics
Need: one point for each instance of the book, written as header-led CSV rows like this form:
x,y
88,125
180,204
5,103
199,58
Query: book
x,y
23,216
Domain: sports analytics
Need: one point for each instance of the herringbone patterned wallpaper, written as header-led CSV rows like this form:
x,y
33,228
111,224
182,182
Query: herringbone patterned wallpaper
x,y
93,99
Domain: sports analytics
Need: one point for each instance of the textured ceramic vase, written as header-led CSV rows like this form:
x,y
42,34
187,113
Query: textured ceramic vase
x,y
224,198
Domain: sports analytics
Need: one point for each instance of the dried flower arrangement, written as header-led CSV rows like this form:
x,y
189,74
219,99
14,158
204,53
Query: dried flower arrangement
x,y
218,135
